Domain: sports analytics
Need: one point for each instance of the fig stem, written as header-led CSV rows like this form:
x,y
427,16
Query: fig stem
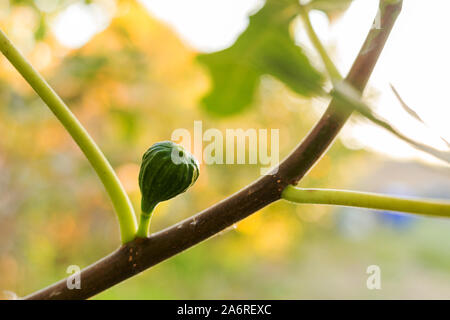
x,y
144,225
144,222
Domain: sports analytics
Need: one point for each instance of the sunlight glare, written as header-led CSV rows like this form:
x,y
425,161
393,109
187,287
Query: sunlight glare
x,y
79,22
207,25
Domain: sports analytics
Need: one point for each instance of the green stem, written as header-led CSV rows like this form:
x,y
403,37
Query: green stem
x,y
144,225
116,192
428,207
328,63
144,221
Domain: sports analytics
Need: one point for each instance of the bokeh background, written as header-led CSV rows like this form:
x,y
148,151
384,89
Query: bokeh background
x,y
132,78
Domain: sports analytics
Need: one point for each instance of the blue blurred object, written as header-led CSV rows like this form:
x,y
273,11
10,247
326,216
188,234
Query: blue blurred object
x,y
399,221
396,220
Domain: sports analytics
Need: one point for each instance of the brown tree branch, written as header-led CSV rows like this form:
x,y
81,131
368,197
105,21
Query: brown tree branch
x,y
141,254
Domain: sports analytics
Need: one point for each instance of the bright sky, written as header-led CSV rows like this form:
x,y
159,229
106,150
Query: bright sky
x,y
415,59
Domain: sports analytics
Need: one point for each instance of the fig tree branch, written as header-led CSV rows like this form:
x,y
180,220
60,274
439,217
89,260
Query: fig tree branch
x,y
143,253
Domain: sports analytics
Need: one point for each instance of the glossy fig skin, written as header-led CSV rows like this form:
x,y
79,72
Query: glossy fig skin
x,y
167,170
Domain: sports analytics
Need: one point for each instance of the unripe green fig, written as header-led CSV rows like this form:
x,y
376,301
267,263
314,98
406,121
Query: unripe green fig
x,y
167,170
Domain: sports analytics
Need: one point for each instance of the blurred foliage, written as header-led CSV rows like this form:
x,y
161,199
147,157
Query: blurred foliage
x,y
265,47
132,85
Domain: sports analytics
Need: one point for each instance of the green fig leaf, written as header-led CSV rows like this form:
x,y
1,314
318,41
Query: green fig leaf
x,y
266,47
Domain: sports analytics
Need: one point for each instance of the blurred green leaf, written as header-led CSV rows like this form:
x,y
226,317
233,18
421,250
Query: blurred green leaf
x,y
41,31
266,47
